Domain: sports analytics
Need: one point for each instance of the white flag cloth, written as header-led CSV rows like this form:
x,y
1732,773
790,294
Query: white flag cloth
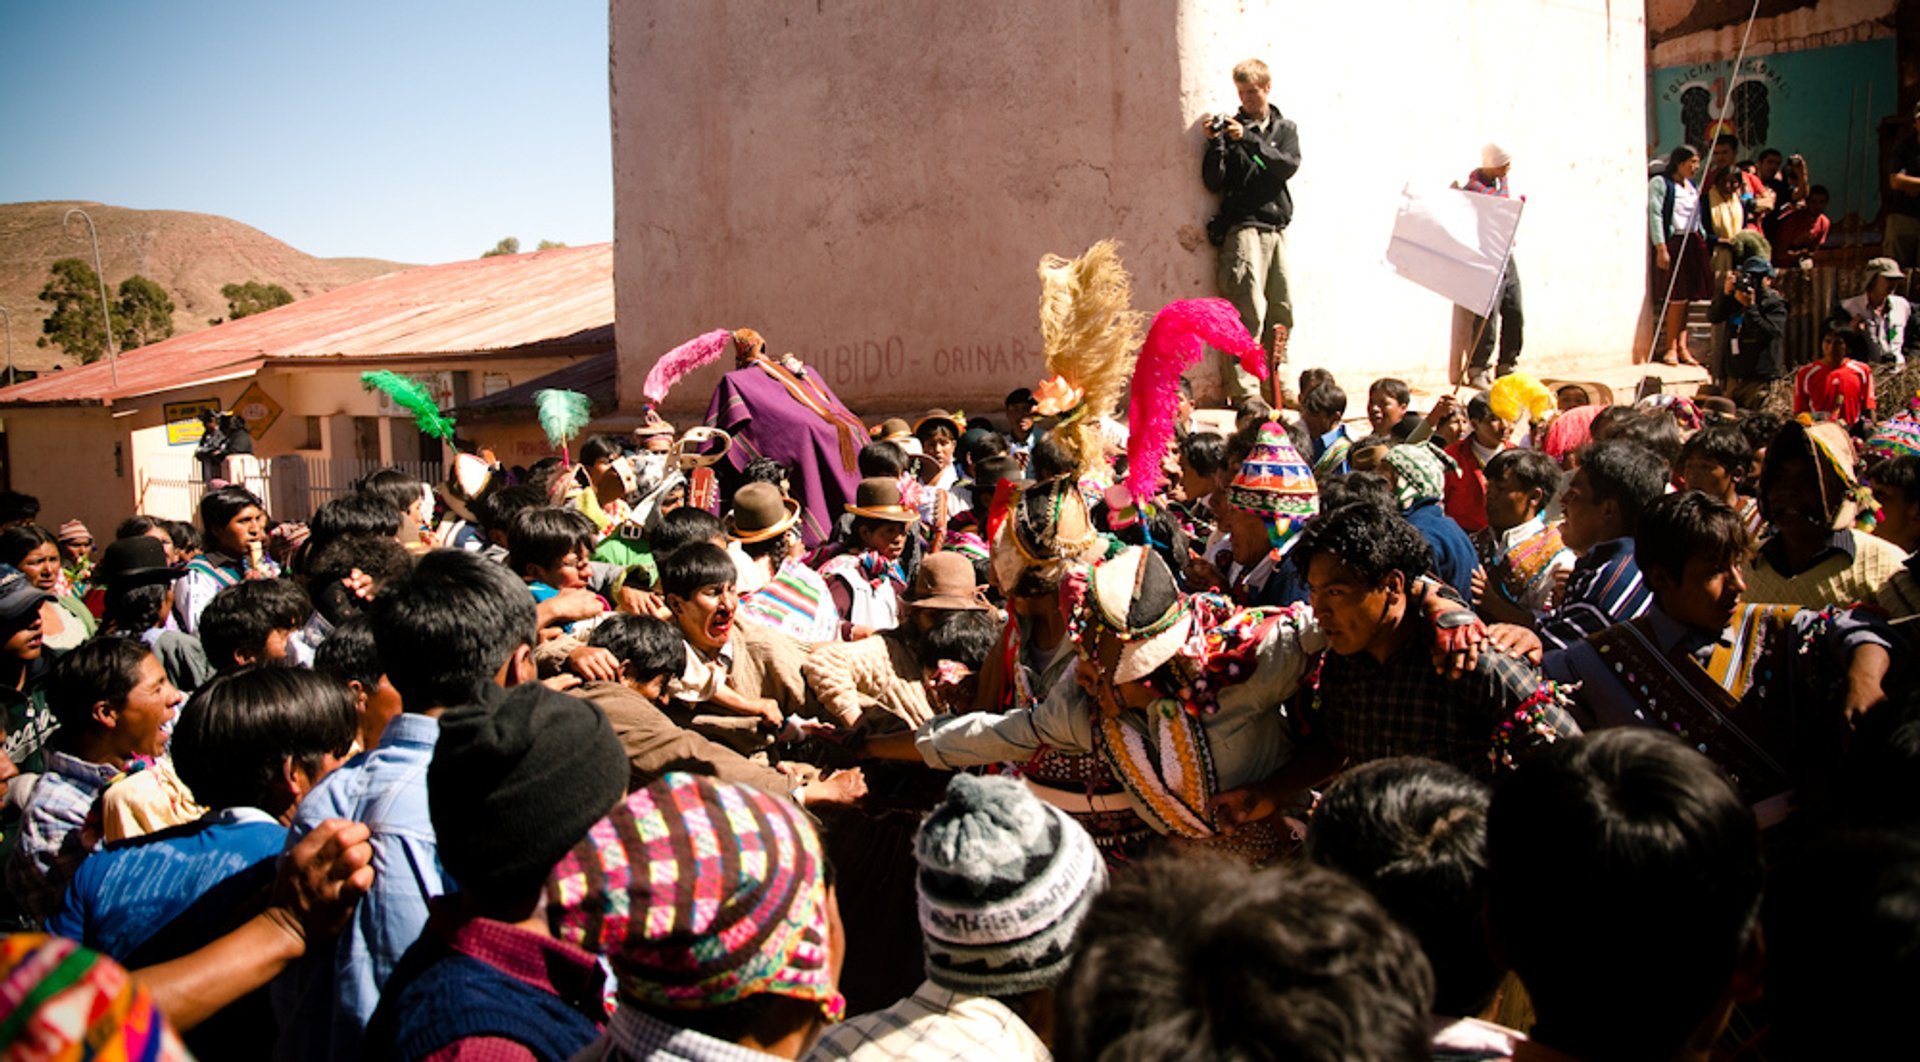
x,y
1454,243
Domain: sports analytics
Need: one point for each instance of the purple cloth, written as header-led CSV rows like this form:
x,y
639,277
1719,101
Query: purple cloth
x,y
766,420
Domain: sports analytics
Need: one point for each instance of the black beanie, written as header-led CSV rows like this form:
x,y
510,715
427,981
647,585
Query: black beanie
x,y
515,782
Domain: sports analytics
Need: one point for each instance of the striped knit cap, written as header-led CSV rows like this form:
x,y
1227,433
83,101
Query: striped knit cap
x,y
60,1001
1004,883
1898,437
1419,472
1274,482
700,893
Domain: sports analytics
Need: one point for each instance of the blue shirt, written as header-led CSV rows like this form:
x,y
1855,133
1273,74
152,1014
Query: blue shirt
x,y
1603,589
125,894
1454,558
324,1001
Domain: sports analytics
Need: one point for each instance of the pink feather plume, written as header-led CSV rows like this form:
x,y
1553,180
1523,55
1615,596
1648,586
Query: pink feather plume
x,y
699,351
1180,333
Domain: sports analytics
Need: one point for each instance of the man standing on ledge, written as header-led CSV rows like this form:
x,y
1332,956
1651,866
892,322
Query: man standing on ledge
x,y
1249,159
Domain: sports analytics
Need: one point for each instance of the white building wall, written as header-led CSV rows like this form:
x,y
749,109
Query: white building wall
x,y
871,184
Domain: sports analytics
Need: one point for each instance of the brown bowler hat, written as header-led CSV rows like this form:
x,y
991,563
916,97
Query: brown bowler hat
x,y
878,498
760,512
945,580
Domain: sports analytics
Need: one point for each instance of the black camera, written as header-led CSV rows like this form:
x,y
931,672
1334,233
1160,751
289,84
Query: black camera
x,y
1747,282
1218,124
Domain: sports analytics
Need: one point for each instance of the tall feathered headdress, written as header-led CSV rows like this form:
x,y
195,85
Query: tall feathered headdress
x,y
695,353
411,395
1089,332
563,415
1181,332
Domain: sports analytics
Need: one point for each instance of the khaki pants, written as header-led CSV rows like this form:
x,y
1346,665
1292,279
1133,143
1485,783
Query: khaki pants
x,y
1253,276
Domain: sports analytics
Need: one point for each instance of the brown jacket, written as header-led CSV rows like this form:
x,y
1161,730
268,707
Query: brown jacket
x,y
654,743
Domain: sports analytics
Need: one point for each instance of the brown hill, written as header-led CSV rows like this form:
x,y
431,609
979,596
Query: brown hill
x,y
190,255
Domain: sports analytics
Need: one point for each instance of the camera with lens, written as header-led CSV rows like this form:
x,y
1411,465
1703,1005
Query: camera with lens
x,y
1218,124
1747,282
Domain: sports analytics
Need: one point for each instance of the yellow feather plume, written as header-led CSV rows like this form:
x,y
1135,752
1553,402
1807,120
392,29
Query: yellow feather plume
x,y
1090,334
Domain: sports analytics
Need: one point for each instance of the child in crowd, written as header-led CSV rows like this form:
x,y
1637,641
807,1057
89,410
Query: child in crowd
x,y
1524,556
1614,484
249,745
652,654
350,657
257,622
1466,486
1387,401
1324,408
732,667
867,579
455,632
548,549
1839,385
1716,462
113,702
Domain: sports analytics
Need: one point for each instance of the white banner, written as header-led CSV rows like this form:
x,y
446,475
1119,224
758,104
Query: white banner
x,y
1454,243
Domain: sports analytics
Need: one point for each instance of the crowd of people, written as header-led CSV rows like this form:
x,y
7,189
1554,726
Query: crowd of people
x,y
1527,726
1507,730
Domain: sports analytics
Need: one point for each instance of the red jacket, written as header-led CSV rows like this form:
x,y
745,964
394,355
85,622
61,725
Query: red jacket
x,y
1466,490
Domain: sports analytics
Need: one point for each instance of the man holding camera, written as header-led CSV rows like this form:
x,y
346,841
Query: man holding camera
x,y
1756,318
1249,158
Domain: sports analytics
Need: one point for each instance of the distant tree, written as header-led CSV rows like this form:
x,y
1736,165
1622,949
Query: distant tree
x,y
245,300
74,325
145,313
510,245
548,245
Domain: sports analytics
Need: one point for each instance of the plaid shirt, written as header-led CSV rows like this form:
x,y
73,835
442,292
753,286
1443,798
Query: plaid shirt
x,y
632,1035
1402,707
1605,588
52,843
934,1024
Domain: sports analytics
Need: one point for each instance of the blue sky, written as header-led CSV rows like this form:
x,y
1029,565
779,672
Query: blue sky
x,y
415,130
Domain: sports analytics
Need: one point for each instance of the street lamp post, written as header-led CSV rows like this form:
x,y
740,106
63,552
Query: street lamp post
x,y
106,314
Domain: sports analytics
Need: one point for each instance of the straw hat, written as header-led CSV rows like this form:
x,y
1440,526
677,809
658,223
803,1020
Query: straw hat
x,y
878,498
760,512
945,580
1132,596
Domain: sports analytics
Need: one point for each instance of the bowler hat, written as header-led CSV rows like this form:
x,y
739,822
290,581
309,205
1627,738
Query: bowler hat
x,y
939,416
137,561
878,498
760,512
945,580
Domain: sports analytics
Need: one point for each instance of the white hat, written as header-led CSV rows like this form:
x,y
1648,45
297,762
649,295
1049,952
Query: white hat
x,y
1493,156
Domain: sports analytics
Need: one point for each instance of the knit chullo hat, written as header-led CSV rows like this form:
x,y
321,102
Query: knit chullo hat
x,y
60,1001
1419,471
700,893
1004,882
1898,437
1274,482
514,783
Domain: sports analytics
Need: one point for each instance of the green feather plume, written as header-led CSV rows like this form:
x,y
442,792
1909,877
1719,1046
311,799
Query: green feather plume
x,y
563,414
411,395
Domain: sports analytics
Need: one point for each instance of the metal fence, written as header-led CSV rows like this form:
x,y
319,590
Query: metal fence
x,y
292,485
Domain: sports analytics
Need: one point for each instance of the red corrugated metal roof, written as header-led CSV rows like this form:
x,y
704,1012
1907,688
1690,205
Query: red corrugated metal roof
x,y
488,304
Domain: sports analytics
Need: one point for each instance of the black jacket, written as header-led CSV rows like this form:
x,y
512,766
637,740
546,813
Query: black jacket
x,y
1250,175
1759,331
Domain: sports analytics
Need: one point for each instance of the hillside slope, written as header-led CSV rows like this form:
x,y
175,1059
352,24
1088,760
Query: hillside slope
x,y
190,255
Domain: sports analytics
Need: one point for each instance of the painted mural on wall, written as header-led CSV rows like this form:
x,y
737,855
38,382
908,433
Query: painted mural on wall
x,y
1823,103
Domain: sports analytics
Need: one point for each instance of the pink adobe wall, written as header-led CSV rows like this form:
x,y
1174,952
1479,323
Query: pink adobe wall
x,y
871,184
